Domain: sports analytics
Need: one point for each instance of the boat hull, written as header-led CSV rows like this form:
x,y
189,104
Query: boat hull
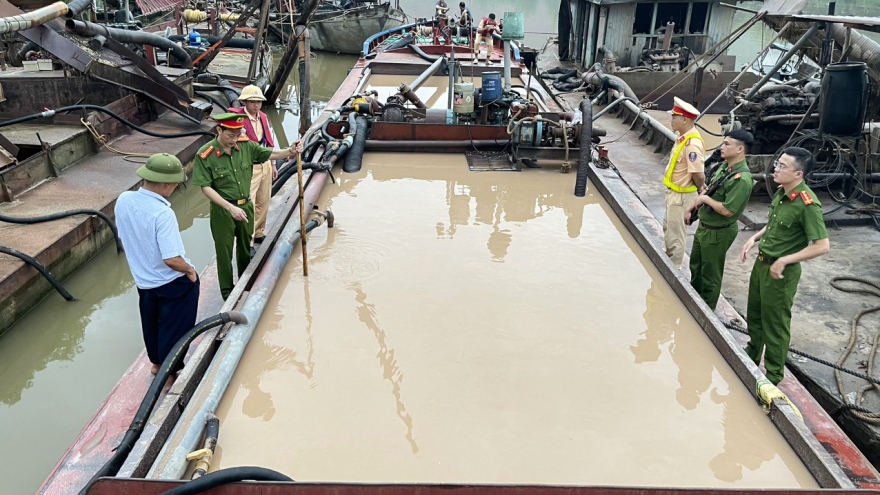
x,y
345,32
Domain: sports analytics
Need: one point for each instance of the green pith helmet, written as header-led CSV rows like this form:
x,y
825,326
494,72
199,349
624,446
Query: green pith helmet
x,y
162,167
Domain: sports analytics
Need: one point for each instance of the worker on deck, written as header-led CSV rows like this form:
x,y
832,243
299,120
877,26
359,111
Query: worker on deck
x,y
256,128
719,209
683,178
464,20
485,30
441,9
223,169
167,283
795,232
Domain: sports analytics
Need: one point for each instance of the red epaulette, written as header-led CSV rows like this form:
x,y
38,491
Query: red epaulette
x,y
792,195
738,176
204,154
806,197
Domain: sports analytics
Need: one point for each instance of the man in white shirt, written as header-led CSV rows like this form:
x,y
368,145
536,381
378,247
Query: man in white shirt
x,y
167,283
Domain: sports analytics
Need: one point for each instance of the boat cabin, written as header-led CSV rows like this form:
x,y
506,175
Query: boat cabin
x,y
627,28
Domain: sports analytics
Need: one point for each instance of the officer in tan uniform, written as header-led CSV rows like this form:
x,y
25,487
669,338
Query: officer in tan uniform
x,y
683,178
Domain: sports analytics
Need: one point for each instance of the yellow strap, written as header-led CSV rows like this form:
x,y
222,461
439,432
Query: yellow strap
x,y
767,392
667,180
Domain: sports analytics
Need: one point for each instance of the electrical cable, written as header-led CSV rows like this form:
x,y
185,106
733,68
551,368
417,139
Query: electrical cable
x,y
49,113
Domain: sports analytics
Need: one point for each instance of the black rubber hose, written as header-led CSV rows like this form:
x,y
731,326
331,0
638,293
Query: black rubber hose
x,y
580,185
40,268
77,6
169,366
65,214
421,53
326,135
282,179
50,113
226,476
355,156
210,98
312,148
212,40
84,28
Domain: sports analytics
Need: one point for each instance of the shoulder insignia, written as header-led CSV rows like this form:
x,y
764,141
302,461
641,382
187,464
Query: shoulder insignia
x,y
692,156
806,197
206,153
738,176
243,137
219,153
792,195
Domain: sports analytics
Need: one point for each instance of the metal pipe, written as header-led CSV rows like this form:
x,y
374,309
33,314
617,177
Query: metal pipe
x,y
424,76
640,113
788,118
586,154
440,146
782,61
610,106
33,18
506,46
171,462
744,71
122,35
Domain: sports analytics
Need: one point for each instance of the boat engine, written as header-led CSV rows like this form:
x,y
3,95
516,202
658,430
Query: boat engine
x,y
773,112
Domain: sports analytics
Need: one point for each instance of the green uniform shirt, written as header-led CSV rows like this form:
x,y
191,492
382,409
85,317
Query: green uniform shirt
x,y
795,220
229,175
733,193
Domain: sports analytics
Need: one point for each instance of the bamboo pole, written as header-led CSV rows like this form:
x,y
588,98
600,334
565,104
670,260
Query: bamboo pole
x,y
302,214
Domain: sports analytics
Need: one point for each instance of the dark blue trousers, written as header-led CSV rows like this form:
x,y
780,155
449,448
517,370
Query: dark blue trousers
x,y
167,313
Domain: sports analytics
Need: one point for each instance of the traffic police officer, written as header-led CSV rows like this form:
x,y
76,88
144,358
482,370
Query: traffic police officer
x,y
683,178
223,169
794,232
719,210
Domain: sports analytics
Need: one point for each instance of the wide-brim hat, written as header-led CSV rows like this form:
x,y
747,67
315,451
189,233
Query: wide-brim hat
x,y
162,168
683,108
251,93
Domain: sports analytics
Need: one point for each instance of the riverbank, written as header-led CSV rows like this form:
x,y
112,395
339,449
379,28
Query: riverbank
x,y
821,316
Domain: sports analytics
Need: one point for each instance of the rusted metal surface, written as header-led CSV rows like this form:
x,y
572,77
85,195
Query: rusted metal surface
x,y
392,131
150,6
153,487
858,22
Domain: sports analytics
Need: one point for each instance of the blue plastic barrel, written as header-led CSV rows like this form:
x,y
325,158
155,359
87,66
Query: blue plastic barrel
x,y
491,86
195,39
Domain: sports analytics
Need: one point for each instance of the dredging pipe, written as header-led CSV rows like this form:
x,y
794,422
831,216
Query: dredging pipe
x,y
40,268
435,146
586,152
33,18
213,40
169,366
226,476
355,156
77,6
783,60
171,462
65,214
49,113
139,37
409,91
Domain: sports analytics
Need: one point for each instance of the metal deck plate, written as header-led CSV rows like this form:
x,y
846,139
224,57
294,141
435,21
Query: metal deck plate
x,y
489,161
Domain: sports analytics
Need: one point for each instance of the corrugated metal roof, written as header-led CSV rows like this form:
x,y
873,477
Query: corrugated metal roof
x,y
150,6
865,23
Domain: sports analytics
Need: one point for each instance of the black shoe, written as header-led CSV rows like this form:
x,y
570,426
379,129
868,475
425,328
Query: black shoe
x,y
253,251
258,240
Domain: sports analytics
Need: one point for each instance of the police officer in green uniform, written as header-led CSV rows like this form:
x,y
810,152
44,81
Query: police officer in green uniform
x,y
794,232
719,207
223,169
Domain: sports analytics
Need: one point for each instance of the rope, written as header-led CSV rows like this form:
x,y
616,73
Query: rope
x,y
102,143
874,290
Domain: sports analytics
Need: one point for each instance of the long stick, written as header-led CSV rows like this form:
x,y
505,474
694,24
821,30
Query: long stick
x,y
302,214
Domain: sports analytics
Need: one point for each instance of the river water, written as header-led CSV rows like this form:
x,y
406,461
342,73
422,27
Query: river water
x,y
59,362
459,327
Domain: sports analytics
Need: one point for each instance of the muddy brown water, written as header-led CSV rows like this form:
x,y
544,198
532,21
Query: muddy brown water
x,y
487,327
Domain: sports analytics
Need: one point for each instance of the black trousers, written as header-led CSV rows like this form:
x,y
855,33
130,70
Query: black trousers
x,y
167,313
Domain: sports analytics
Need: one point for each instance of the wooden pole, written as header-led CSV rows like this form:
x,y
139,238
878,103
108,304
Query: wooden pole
x,y
302,214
